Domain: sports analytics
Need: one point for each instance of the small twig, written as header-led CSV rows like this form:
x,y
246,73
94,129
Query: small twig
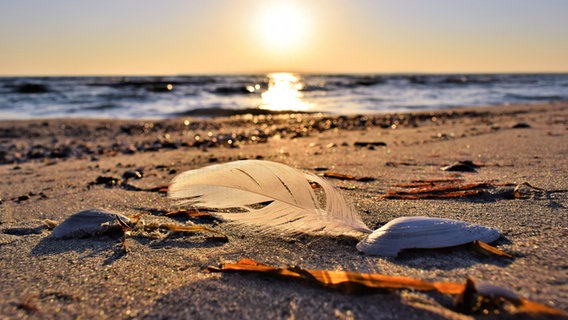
x,y
341,176
126,232
489,250
518,193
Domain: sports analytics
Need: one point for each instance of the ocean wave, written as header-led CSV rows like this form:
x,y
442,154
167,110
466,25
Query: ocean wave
x,y
101,107
218,95
226,112
232,90
29,88
518,96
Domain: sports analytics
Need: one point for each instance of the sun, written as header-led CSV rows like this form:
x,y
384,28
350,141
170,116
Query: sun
x,y
283,26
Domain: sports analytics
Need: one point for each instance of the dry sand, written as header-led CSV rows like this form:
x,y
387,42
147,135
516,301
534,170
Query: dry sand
x,y
49,167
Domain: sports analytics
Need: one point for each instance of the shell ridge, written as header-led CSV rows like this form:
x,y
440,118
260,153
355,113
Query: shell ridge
x,y
422,232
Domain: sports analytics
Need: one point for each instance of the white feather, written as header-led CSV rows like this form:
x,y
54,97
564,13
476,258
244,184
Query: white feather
x,y
294,207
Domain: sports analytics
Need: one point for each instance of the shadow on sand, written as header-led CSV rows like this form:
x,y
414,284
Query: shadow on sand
x,y
242,296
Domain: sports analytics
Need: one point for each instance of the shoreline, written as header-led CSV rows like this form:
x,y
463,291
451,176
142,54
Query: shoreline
x,y
49,168
65,138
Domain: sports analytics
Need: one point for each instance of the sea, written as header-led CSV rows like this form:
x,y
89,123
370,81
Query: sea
x,y
161,97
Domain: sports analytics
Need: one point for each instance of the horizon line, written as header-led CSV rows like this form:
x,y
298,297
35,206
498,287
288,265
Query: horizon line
x,y
271,72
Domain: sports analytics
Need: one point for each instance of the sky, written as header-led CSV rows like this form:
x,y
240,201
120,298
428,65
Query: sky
x,y
143,37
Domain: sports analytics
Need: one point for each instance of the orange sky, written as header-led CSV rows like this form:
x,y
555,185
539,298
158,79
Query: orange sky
x,y
131,37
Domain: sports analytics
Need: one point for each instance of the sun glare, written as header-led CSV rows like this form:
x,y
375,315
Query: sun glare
x,y
284,93
283,26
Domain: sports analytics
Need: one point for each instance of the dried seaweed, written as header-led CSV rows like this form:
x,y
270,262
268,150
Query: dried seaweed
x,y
457,188
190,213
350,282
437,190
126,228
440,189
169,227
420,301
488,250
485,298
400,163
180,228
96,222
159,189
526,190
341,176
472,297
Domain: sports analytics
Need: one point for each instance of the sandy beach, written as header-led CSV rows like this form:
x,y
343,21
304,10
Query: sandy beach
x,y
52,168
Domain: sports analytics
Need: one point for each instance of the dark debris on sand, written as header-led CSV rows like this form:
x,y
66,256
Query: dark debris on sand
x,y
70,138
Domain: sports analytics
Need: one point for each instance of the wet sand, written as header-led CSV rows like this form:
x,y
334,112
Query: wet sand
x,y
53,168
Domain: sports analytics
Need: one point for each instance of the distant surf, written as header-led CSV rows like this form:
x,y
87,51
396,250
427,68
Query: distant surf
x,y
218,95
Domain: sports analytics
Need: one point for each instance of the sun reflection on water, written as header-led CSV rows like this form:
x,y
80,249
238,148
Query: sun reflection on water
x,y
284,93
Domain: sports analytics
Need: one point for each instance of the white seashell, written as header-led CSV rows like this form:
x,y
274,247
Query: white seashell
x,y
88,223
423,233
